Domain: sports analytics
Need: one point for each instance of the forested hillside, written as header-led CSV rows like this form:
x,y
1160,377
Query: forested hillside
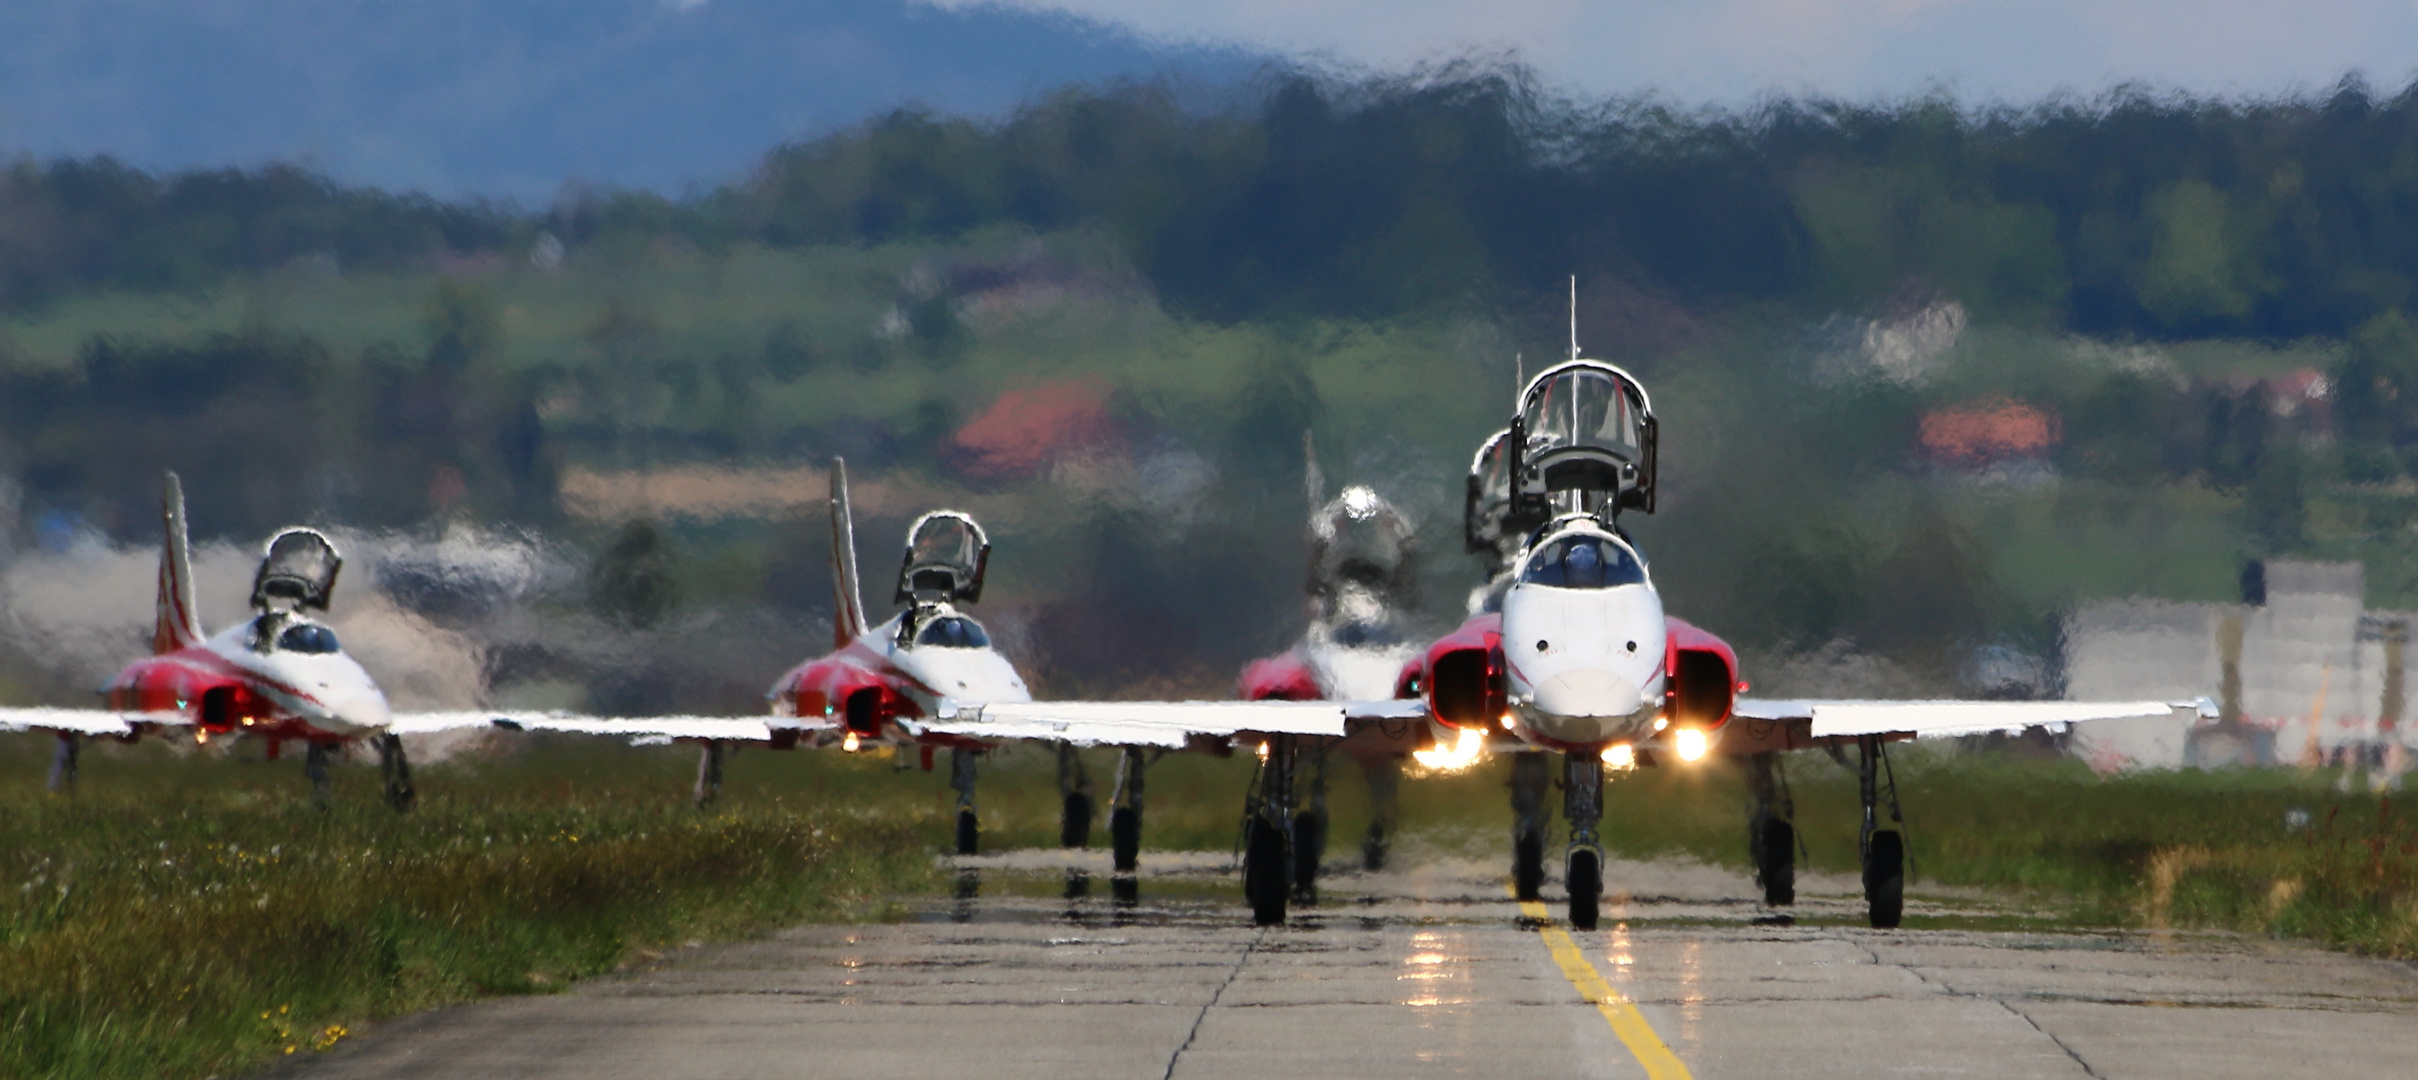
x,y
1928,373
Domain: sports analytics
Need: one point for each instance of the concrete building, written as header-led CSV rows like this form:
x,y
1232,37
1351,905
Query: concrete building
x,y
2300,671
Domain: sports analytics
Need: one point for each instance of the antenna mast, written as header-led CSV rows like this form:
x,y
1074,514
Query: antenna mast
x,y
1574,316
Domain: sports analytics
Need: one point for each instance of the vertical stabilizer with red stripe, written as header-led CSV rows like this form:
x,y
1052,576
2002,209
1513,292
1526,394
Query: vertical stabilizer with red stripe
x,y
848,601
177,627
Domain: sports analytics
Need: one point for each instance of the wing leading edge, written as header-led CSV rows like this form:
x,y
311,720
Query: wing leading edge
x,y
1162,723
1816,721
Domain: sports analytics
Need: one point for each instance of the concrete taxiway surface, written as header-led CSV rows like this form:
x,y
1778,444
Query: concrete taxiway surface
x,y
1430,972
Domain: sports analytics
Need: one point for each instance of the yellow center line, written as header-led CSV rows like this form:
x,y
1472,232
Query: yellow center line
x,y
1627,1023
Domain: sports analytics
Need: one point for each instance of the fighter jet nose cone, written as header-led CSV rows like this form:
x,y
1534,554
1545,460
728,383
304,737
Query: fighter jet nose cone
x,y
1587,704
1587,692
365,711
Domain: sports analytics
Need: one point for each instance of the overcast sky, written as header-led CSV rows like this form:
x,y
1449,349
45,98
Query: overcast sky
x,y
1729,50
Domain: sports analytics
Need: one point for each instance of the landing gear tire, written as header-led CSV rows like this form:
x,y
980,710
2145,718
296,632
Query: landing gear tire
x,y
969,832
1586,881
1125,838
1264,864
1074,821
1885,879
1779,863
1309,846
1528,865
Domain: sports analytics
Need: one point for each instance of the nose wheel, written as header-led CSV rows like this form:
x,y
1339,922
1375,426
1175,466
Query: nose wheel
x,y
1586,881
1583,804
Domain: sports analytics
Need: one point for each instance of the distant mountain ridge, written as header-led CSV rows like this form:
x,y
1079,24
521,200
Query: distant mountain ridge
x,y
511,98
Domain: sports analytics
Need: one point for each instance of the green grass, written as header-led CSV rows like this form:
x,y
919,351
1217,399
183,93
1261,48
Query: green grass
x,y
187,918
2204,850
182,916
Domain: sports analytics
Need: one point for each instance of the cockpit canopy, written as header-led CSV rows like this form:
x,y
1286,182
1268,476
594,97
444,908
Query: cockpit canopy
x,y
1583,560
307,637
1585,426
298,572
952,632
946,555
1487,504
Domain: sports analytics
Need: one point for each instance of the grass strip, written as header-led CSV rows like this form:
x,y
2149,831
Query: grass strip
x,y
216,922
184,917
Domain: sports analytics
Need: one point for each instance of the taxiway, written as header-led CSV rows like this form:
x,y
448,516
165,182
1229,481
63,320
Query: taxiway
x,y
1432,972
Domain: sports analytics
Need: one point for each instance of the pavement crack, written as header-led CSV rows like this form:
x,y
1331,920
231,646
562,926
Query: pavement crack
x,y
2053,1039
1195,1033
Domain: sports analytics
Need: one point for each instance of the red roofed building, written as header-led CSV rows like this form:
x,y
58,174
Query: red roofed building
x,y
1026,431
1988,432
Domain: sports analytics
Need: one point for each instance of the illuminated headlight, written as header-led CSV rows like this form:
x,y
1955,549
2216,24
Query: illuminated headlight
x,y
849,744
1690,743
1620,756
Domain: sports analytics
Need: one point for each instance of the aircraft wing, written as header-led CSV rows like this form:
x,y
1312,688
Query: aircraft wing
x,y
732,728
1789,724
1161,723
84,721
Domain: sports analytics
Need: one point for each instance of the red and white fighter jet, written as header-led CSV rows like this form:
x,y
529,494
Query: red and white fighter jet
x,y
927,679
1569,650
280,675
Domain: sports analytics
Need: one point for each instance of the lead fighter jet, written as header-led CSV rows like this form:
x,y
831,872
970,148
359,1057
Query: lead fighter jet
x,y
1569,651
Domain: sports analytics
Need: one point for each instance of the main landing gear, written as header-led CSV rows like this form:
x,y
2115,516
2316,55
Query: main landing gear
x,y
1076,811
1125,811
1269,832
394,770
1384,775
1884,848
1771,830
1530,776
63,763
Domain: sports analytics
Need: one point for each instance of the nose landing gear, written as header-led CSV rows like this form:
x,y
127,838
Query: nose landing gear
x,y
1583,805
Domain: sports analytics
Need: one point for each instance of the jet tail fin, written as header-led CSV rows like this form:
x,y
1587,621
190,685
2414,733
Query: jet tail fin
x,y
848,600
177,627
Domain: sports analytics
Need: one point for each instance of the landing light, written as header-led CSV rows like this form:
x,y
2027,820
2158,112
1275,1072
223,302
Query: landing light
x,y
1620,755
1690,743
1263,751
1469,744
1660,723
849,743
